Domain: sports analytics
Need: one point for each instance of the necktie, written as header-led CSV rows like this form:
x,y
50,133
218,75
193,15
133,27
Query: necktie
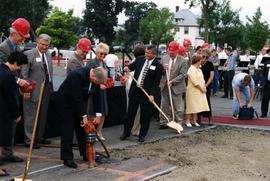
x,y
45,68
144,73
172,70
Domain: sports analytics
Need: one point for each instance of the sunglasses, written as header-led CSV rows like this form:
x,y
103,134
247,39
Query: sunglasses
x,y
103,54
205,56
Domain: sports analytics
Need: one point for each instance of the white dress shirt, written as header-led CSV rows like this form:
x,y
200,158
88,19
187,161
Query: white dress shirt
x,y
46,61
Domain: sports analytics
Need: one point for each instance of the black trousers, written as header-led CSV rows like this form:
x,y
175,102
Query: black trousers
x,y
69,123
146,113
228,77
265,98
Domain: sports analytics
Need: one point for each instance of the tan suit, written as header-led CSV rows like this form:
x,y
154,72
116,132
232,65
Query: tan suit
x,y
178,88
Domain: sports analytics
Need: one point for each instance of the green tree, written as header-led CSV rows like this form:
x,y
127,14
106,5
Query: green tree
x,y
157,26
257,31
206,10
33,10
62,27
135,11
225,25
100,17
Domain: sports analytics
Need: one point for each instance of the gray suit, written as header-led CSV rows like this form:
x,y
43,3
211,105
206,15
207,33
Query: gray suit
x,y
6,48
178,88
34,70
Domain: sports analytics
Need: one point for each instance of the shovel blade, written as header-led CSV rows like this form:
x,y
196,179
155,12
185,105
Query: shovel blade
x,y
176,126
20,179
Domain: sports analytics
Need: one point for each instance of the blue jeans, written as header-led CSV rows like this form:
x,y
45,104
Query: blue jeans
x,y
246,92
215,81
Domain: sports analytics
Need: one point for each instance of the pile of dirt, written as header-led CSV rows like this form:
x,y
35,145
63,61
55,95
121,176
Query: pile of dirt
x,y
222,153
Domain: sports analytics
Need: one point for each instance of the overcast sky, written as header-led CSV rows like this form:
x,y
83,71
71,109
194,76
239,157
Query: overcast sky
x,y
248,7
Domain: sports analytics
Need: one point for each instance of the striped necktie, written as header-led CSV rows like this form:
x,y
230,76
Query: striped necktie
x,y
171,74
144,73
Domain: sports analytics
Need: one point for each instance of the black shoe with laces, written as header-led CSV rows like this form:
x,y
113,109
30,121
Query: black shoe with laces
x,y
141,139
124,136
13,158
70,164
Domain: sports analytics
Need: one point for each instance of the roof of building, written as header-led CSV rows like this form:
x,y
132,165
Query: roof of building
x,y
187,17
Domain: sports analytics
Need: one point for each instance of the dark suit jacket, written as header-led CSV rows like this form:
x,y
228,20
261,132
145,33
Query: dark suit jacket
x,y
152,78
73,92
9,109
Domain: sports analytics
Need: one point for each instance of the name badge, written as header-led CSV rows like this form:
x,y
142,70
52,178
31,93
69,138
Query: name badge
x,y
38,59
153,67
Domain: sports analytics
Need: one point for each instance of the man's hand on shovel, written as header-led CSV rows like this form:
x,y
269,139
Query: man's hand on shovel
x,y
151,98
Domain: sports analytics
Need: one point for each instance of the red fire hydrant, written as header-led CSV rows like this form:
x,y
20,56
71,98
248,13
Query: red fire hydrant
x,y
91,138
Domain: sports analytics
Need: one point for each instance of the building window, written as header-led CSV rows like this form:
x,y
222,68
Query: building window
x,y
186,29
176,29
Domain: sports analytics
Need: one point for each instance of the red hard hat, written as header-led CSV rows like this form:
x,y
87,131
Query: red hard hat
x,y
84,44
30,87
187,42
205,45
22,26
173,47
182,51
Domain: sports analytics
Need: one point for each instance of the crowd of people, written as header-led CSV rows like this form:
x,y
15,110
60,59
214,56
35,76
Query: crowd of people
x,y
181,82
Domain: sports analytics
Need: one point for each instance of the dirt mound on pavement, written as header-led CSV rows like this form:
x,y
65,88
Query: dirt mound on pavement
x,y
222,153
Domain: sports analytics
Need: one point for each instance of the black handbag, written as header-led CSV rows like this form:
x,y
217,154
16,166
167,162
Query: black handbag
x,y
246,113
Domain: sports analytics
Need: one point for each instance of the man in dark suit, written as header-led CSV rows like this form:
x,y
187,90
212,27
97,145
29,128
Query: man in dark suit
x,y
19,31
70,101
39,69
148,73
266,91
9,108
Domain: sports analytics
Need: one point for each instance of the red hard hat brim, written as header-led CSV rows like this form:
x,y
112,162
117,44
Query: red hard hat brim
x,y
87,50
25,35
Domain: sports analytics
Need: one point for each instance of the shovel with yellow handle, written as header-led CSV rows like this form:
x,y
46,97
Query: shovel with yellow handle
x,y
27,165
171,124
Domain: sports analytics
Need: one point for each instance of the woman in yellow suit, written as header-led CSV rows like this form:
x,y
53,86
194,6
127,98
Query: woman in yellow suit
x,y
196,101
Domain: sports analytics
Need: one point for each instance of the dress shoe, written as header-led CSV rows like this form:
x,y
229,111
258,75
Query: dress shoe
x,y
35,146
44,141
163,127
197,124
13,158
188,124
70,164
224,96
101,137
124,136
263,116
141,139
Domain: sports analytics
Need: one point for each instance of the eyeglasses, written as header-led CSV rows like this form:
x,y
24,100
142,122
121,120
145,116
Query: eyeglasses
x,y
103,54
205,56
